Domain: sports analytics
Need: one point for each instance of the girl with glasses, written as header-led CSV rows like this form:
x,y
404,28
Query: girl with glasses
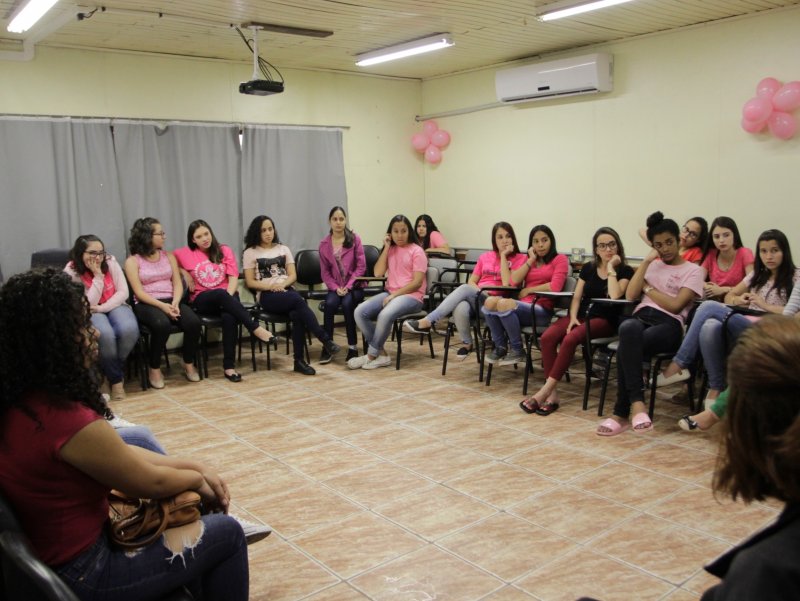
x,y
107,292
158,293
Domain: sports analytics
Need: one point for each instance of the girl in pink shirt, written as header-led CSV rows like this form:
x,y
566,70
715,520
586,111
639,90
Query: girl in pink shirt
x,y
430,238
404,263
726,259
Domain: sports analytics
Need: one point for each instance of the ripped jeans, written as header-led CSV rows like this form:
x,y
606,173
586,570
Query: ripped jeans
x,y
214,568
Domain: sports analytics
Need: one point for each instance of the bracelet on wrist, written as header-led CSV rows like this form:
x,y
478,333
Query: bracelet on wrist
x,y
610,273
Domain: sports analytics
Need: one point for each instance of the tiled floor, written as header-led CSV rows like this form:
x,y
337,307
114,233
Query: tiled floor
x,y
409,486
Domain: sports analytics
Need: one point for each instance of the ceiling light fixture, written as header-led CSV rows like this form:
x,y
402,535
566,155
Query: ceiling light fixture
x,y
29,15
433,42
577,9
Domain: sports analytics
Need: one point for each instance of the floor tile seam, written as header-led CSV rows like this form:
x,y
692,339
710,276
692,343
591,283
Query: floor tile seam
x,y
634,566
573,484
656,472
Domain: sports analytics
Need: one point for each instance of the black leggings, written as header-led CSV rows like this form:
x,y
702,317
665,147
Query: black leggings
x,y
219,302
303,319
160,325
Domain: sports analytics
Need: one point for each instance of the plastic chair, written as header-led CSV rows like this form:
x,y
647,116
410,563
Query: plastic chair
x,y
397,328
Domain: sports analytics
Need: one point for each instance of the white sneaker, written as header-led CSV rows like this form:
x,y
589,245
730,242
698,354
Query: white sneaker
x,y
379,361
252,532
357,362
118,422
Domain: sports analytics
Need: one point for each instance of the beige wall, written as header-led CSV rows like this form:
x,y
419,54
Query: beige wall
x,y
383,175
668,137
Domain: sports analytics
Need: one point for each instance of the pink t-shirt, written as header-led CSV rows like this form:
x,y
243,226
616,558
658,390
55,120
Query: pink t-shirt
x,y
488,269
734,274
693,254
437,240
669,279
156,276
60,508
554,273
403,262
207,275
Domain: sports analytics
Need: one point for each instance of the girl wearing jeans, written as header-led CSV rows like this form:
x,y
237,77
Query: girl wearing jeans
x,y
543,271
341,261
605,277
212,276
107,292
269,270
405,264
488,271
667,288
60,458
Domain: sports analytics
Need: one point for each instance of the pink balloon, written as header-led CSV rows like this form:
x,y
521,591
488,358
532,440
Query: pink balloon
x,y
440,138
757,109
420,142
753,127
433,155
782,125
429,127
767,87
788,97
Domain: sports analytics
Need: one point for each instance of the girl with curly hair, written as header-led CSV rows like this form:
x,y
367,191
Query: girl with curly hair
x,y
59,458
158,293
105,287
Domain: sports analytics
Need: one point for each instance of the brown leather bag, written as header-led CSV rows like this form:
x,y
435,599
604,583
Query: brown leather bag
x,y
135,523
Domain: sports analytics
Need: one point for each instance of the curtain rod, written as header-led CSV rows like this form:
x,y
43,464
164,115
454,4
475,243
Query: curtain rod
x,y
156,121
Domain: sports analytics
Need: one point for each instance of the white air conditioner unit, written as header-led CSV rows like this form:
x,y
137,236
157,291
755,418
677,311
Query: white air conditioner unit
x,y
564,77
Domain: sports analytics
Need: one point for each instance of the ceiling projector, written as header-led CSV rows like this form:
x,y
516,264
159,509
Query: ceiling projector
x,y
261,87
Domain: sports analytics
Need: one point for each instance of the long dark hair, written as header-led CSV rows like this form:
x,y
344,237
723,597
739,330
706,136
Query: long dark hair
x,y
507,227
253,236
658,224
140,241
727,223
551,254
412,233
77,250
430,227
608,231
45,328
215,250
349,238
702,237
783,278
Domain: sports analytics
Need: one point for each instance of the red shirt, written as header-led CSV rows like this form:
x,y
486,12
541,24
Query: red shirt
x,y
61,509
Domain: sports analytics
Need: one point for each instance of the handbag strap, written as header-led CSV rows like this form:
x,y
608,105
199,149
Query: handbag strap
x,y
163,508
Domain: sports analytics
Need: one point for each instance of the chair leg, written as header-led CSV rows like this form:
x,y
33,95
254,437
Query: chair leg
x,y
489,374
528,366
398,333
447,335
604,384
430,345
205,352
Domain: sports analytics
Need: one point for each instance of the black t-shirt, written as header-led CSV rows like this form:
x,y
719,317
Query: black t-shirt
x,y
596,287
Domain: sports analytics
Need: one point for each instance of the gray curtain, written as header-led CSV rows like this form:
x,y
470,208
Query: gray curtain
x,y
294,175
58,180
178,173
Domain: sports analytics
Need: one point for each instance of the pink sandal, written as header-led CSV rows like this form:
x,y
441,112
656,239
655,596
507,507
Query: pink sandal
x,y
642,423
613,426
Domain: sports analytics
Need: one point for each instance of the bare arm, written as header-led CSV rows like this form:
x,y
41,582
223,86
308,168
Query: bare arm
x,y
382,264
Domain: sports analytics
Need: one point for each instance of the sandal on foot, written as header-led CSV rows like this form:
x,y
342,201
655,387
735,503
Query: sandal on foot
x,y
546,408
529,405
642,423
688,424
613,426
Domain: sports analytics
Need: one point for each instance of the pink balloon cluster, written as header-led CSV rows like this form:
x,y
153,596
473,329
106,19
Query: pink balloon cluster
x,y
431,142
772,108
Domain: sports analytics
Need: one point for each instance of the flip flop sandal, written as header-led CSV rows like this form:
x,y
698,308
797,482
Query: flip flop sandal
x,y
642,423
613,426
532,405
546,408
688,424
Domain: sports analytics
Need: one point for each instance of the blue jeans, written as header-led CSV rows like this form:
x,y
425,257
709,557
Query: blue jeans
x,y
375,320
141,436
119,332
510,323
214,568
348,303
460,303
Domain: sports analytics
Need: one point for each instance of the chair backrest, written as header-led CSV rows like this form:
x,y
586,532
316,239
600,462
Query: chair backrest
x,y
472,254
306,263
442,265
371,254
569,286
24,576
50,257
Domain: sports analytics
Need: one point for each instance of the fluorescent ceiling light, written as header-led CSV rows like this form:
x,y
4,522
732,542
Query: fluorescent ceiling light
x,y
434,42
576,10
30,13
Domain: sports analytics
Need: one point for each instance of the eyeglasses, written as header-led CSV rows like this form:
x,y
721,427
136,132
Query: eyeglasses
x,y
96,253
689,233
162,234
606,245
666,244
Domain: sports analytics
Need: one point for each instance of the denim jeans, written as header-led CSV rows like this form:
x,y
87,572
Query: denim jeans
x,y
510,323
348,303
647,333
375,320
214,568
141,436
119,332
715,350
460,303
